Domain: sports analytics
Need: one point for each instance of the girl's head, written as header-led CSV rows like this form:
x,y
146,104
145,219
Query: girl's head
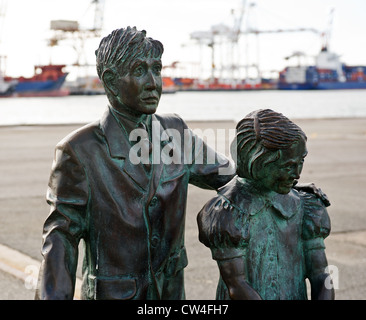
x,y
270,150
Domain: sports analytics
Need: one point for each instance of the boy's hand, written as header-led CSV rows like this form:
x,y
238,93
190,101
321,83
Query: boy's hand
x,y
311,188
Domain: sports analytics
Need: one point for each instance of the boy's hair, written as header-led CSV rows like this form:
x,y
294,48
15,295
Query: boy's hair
x,y
260,137
122,46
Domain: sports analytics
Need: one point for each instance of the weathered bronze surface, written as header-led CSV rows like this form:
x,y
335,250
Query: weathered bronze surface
x,y
120,185
266,236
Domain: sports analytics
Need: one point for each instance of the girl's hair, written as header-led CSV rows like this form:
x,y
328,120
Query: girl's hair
x,y
122,46
260,137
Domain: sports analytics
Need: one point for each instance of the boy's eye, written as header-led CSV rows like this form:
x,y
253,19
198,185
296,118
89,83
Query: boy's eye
x,y
139,71
157,70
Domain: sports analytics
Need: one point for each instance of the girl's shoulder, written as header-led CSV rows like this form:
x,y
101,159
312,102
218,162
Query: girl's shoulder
x,y
316,221
221,219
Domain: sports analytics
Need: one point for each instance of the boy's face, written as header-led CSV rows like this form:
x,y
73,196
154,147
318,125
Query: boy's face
x,y
279,176
139,90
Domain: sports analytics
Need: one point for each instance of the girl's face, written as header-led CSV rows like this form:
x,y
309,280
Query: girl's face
x,y
280,175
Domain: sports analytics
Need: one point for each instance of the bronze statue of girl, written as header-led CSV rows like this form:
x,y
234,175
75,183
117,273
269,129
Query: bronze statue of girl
x,y
266,236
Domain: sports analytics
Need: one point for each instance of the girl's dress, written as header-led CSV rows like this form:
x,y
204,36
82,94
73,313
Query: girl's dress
x,y
271,232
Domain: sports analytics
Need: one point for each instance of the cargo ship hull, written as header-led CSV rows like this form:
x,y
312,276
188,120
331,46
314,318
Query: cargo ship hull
x,y
327,74
47,81
322,86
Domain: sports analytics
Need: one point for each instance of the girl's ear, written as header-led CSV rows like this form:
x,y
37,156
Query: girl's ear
x,y
109,80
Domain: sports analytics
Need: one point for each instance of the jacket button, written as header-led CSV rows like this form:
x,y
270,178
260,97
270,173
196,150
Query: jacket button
x,y
155,241
153,201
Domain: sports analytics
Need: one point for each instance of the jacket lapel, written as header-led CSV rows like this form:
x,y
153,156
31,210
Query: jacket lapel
x,y
157,166
119,148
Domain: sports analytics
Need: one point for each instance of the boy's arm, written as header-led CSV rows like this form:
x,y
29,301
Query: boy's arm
x,y
67,196
311,188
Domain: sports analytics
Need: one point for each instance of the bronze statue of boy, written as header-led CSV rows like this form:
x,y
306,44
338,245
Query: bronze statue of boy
x,y
267,237
130,214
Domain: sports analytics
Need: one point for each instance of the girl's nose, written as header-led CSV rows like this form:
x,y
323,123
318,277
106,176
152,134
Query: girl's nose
x,y
295,173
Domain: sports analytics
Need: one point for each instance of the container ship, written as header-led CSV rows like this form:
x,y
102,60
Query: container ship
x,y
328,73
171,85
47,81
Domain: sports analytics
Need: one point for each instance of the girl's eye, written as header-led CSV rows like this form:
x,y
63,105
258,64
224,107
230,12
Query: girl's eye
x,y
291,164
286,166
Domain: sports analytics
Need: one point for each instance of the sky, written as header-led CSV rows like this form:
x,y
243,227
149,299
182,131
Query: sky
x,y
25,28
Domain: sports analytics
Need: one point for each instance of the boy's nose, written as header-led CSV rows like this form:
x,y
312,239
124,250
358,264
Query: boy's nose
x,y
150,81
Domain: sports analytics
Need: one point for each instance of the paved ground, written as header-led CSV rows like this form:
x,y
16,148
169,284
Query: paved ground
x,y
336,162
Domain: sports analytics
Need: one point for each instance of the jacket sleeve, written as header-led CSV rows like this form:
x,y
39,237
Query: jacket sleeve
x,y
208,168
67,196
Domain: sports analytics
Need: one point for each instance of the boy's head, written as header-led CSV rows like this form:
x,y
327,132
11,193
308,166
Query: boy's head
x,y
122,47
129,66
270,150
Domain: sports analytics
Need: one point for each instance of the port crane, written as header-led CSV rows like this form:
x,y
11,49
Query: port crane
x,y
3,5
5,86
223,34
72,31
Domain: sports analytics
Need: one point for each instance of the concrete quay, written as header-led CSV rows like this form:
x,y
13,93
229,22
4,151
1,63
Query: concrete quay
x,y
336,162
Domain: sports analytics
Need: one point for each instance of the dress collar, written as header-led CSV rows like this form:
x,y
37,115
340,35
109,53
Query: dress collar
x,y
286,205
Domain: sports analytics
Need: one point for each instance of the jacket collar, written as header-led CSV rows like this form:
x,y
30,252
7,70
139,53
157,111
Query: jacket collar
x,y
117,140
119,148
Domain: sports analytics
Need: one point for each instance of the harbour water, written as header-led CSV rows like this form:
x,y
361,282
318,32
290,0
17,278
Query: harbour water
x,y
210,106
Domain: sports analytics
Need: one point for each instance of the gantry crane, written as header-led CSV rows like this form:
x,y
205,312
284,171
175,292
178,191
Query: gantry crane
x,y
241,26
3,5
71,30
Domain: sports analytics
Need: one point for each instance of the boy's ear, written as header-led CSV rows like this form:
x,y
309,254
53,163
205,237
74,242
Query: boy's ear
x,y
109,80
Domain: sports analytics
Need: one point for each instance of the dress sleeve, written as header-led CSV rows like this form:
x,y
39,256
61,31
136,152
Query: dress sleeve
x,y
316,224
221,229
